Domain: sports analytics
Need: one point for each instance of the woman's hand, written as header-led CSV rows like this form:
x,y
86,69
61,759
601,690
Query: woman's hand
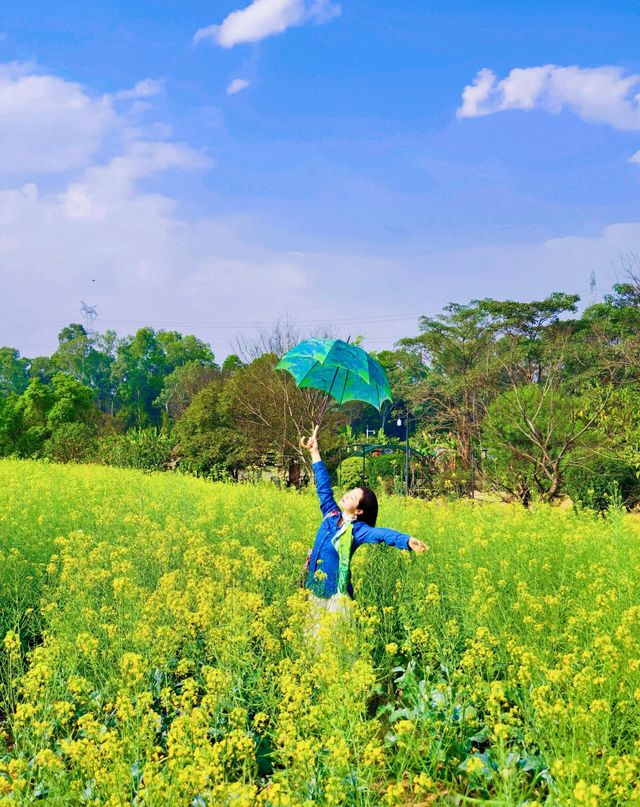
x,y
311,444
417,546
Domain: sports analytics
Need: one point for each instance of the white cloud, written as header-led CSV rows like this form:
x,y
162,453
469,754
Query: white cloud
x,y
51,125
150,264
146,88
263,18
104,188
95,231
48,124
237,85
598,95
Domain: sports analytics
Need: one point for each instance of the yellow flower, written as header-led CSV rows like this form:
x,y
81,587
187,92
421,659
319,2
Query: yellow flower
x,y
587,794
11,644
260,721
404,726
87,644
132,666
500,731
473,765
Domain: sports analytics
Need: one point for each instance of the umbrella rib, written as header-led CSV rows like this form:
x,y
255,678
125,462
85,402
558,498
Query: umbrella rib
x,y
326,397
344,386
333,380
308,371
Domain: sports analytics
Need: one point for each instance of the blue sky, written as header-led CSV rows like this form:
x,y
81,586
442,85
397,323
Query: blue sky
x,y
208,165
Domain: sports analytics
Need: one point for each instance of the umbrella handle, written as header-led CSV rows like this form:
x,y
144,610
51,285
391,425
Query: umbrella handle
x,y
306,442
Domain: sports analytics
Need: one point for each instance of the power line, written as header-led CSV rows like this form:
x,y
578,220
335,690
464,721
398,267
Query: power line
x,y
33,327
382,318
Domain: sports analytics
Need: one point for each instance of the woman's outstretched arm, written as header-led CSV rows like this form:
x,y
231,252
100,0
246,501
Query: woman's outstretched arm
x,y
383,535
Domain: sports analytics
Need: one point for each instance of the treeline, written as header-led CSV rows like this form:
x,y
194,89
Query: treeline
x,y
526,400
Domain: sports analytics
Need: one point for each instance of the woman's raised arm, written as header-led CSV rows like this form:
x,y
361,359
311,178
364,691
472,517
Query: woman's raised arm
x,y
323,481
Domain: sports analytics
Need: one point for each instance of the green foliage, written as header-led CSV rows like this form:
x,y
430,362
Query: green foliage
x,y
216,454
232,364
43,368
10,425
145,449
381,471
142,363
28,421
71,442
72,402
205,442
88,358
532,434
350,473
14,375
531,381
600,483
182,384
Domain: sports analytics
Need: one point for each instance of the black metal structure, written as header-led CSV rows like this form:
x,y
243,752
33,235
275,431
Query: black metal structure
x,y
380,449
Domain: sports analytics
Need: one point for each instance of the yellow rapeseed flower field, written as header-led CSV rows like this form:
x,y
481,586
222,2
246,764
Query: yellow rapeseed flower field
x,y
156,649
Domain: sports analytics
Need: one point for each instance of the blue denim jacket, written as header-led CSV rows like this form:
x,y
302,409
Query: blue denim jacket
x,y
324,557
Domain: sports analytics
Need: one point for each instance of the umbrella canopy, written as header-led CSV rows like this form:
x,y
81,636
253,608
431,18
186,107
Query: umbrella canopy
x,y
344,371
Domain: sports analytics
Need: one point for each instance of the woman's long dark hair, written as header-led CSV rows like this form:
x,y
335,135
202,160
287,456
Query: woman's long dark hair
x,y
369,506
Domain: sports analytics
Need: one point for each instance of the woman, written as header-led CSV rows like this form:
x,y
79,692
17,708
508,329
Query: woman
x,y
347,524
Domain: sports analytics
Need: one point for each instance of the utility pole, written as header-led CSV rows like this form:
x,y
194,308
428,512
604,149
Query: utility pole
x,y
406,450
473,449
89,314
473,472
406,455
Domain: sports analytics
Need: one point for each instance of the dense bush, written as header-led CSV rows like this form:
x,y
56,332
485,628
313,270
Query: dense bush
x,y
380,472
600,483
146,449
71,442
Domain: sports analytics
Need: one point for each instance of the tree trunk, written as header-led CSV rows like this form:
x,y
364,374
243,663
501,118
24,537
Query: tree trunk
x,y
293,476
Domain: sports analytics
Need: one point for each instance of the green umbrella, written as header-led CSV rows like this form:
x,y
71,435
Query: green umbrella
x,y
344,371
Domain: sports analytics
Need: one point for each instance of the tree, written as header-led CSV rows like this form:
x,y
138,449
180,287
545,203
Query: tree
x,y
272,413
206,443
84,357
73,402
180,350
182,384
14,375
521,330
477,351
74,345
43,368
29,420
614,326
457,348
71,442
232,364
141,365
533,432
10,424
